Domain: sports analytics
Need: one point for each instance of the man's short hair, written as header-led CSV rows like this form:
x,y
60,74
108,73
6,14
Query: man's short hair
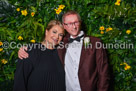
x,y
70,12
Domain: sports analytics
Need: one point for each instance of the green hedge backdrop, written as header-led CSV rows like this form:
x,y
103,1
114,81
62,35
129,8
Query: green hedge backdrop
x,y
114,21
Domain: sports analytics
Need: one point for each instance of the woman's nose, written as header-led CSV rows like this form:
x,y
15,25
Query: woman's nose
x,y
57,36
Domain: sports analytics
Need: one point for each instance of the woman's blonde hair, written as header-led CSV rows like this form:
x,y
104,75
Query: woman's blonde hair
x,y
54,23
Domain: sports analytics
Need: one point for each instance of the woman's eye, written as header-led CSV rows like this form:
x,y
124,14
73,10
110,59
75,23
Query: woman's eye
x,y
61,35
54,32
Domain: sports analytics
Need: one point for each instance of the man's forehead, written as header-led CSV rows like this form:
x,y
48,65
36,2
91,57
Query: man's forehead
x,y
71,18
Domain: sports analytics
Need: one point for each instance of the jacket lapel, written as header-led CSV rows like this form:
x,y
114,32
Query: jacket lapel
x,y
84,53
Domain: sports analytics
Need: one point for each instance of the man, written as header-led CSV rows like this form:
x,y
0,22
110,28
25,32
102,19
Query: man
x,y
86,68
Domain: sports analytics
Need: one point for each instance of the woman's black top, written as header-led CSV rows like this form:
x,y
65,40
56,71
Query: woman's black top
x,y
41,71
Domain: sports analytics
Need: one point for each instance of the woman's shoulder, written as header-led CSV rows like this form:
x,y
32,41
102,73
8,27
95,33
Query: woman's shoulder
x,y
34,50
33,47
33,54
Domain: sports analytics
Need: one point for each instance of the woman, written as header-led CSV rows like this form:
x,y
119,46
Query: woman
x,y
43,70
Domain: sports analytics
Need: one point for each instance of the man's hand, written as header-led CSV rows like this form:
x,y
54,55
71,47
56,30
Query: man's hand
x,y
22,53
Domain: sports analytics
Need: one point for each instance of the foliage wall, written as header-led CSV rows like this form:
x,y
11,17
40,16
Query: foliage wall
x,y
24,21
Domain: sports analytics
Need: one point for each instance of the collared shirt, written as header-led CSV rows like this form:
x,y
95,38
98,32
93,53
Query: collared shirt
x,y
72,60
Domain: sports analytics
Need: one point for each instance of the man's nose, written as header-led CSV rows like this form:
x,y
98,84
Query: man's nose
x,y
74,26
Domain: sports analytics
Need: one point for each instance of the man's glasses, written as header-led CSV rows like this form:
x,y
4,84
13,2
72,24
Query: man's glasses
x,y
76,23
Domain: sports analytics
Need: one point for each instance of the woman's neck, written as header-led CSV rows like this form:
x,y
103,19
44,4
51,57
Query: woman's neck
x,y
48,45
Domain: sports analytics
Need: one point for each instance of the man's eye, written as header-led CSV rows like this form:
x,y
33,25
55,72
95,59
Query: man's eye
x,y
65,24
70,23
76,22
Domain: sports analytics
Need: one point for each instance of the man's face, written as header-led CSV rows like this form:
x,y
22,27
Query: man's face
x,y
72,25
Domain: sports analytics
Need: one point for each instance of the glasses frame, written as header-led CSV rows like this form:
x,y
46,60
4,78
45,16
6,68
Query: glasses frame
x,y
76,23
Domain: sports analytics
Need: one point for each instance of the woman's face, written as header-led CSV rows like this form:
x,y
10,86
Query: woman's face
x,y
54,35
